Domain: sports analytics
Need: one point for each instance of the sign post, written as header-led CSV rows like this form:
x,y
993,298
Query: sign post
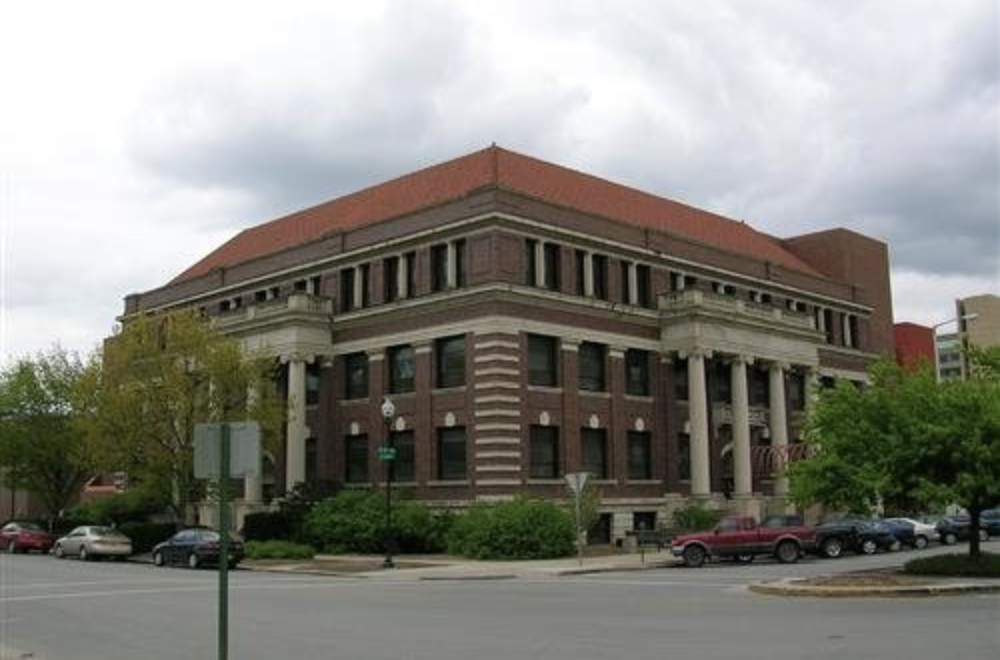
x,y
214,458
576,481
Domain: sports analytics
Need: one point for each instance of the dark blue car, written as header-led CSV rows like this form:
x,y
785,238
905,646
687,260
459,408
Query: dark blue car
x,y
194,548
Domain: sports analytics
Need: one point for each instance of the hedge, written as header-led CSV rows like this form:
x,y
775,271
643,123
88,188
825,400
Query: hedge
x,y
523,528
145,535
354,521
278,550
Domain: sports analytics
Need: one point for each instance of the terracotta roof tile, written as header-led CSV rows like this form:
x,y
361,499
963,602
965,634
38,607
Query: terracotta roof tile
x,y
495,166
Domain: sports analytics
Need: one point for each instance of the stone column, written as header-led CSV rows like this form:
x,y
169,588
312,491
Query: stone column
x,y
742,468
588,274
452,265
633,284
402,273
539,264
812,389
359,290
253,487
297,431
698,411
779,425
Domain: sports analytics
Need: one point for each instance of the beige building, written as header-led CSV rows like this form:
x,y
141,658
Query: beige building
x,y
978,323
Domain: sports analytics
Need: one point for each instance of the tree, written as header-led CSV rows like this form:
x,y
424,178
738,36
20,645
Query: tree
x,y
157,378
41,446
906,441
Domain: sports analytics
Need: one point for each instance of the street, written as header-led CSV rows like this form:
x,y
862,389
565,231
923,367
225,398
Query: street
x,y
70,610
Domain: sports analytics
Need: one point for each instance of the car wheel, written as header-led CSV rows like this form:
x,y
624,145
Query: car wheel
x,y
984,535
920,542
158,559
744,558
787,552
868,546
193,561
949,538
694,556
84,555
59,552
832,547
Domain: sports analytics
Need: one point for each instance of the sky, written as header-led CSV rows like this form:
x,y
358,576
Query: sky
x,y
137,137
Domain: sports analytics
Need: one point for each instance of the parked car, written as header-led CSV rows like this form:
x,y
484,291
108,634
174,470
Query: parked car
x,y
903,533
859,536
93,542
194,548
989,520
923,532
25,537
741,538
958,528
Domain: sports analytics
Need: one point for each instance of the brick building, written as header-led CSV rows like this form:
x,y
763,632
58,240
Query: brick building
x,y
528,321
914,344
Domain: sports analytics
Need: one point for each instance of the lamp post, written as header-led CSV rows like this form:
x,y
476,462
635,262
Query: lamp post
x,y
387,453
934,335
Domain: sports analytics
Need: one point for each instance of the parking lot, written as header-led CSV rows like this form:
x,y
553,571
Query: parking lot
x,y
105,611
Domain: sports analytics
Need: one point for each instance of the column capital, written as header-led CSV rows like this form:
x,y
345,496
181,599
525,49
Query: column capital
x,y
780,366
296,356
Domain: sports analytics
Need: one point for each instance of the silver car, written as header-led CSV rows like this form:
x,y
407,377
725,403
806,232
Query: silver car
x,y
923,533
93,542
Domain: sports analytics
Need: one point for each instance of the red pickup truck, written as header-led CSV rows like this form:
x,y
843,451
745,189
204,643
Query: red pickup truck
x,y
741,538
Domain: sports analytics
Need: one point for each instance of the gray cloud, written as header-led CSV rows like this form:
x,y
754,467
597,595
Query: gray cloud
x,y
792,116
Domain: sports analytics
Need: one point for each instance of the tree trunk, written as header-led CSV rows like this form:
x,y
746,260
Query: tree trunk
x,y
975,552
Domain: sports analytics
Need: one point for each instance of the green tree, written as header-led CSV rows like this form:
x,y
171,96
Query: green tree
x,y
41,445
157,378
905,440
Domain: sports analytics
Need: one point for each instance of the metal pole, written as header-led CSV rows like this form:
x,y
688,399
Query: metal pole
x,y
224,542
387,562
579,531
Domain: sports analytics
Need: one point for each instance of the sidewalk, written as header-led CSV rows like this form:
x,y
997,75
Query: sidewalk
x,y
456,568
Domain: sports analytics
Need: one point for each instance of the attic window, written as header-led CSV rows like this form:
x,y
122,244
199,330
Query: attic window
x,y
260,296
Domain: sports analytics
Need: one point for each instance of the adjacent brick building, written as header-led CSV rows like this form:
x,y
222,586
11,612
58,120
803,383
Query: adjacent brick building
x,y
528,321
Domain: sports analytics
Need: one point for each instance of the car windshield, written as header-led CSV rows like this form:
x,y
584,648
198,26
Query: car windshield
x,y
31,527
109,532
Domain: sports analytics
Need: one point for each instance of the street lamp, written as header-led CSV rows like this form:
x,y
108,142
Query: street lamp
x,y
388,454
934,336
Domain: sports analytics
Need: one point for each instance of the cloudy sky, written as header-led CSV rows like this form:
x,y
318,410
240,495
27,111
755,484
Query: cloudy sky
x,y
135,137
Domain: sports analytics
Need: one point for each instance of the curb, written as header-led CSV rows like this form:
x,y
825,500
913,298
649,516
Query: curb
x,y
788,587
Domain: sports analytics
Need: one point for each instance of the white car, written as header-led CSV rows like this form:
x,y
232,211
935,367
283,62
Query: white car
x,y
923,532
93,542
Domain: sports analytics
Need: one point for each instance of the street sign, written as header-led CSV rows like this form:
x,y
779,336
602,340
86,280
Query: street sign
x,y
576,481
386,453
244,449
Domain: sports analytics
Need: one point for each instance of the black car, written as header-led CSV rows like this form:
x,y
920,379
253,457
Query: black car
x,y
859,536
958,528
989,520
904,533
194,548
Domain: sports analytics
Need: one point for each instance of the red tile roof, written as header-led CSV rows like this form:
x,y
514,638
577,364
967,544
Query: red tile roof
x,y
495,166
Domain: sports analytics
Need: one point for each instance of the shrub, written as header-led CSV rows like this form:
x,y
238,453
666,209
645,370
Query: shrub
x,y
278,550
695,518
523,528
145,535
354,521
267,525
132,505
959,565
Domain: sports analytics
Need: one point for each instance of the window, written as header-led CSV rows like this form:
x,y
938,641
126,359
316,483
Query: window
x,y
260,296
599,263
460,278
402,369
640,458
300,285
623,278
759,386
681,379
594,452
439,267
450,357
390,276
592,358
544,452
312,460
643,281
451,454
722,383
404,465
676,281
684,457
796,384
542,361
356,459
312,384
410,264
581,267
356,376
530,270
365,271
637,372
552,275
828,324
347,302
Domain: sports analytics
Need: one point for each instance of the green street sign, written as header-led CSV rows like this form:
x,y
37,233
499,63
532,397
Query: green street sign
x,y
386,453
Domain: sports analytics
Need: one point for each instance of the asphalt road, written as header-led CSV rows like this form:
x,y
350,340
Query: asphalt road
x,y
68,610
